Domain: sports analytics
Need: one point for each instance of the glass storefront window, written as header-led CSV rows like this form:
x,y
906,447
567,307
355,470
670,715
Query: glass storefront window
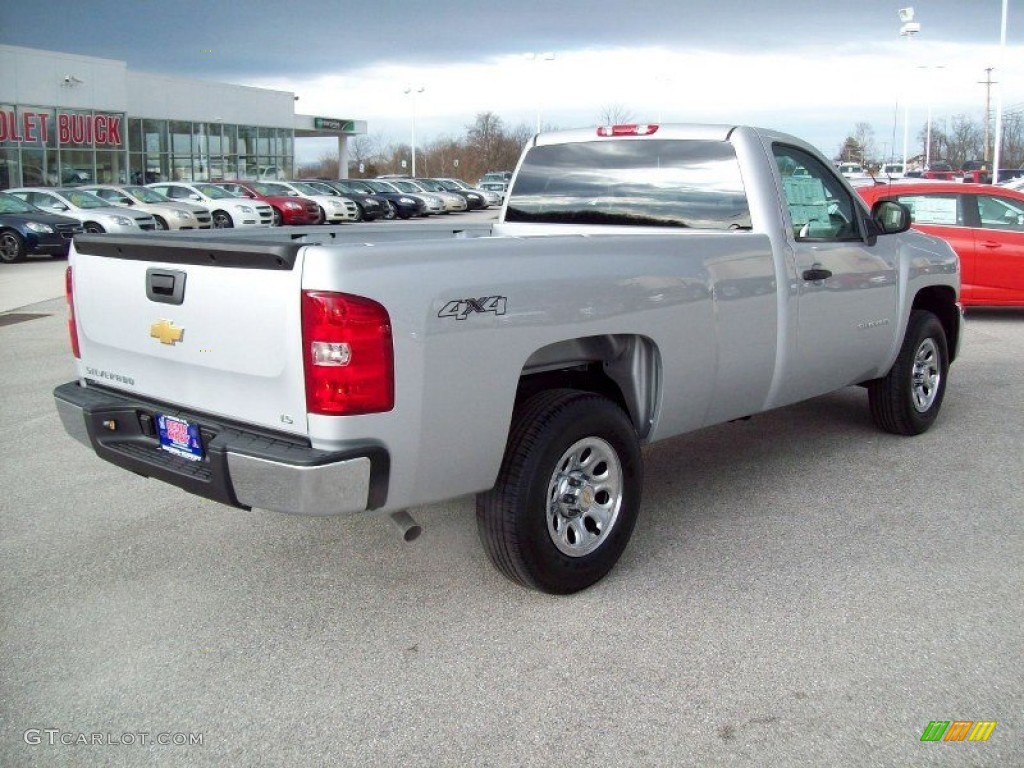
x,y
133,136
154,136
76,167
110,168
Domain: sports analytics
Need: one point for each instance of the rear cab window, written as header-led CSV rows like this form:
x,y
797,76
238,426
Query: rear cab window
x,y
687,184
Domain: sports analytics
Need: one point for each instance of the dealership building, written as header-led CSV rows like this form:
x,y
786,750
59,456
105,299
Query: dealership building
x,y
68,119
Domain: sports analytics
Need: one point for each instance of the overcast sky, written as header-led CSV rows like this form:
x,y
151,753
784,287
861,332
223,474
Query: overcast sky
x,y
810,67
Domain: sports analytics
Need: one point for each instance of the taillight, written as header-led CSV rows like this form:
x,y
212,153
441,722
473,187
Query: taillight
x,y
626,130
69,293
347,354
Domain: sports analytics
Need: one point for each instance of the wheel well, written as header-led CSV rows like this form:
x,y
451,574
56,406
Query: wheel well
x,y
941,302
626,369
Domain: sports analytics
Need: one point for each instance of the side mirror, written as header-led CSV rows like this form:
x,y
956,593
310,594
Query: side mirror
x,y
891,217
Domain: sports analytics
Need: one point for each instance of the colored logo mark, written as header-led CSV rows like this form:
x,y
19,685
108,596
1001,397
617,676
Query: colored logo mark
x,y
958,730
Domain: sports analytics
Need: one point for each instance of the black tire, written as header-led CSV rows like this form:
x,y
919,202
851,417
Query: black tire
x,y
322,217
567,495
94,229
906,401
12,247
161,224
221,220
278,218
360,213
389,210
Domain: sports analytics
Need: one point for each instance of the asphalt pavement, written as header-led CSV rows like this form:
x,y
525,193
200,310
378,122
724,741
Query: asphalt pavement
x,y
801,590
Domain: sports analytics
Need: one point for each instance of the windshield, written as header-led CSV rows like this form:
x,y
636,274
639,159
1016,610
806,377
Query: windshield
x,y
214,192
146,195
381,186
81,199
11,204
430,184
270,188
357,186
307,189
667,183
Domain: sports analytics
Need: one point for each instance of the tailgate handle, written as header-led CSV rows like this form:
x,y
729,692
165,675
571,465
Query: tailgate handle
x,y
166,286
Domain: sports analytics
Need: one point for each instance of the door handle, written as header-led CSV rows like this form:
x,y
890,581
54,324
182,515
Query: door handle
x,y
817,273
990,244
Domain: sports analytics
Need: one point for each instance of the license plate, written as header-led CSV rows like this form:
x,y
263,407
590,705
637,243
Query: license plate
x,y
179,437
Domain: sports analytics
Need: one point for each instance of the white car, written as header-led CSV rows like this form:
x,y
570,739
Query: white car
x,y
226,209
165,212
890,171
333,208
96,215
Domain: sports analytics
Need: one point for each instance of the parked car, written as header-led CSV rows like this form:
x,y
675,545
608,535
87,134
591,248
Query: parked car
x,y
95,214
451,201
491,197
371,206
333,208
433,202
165,212
475,201
406,205
985,226
25,229
226,210
495,177
890,171
939,169
288,209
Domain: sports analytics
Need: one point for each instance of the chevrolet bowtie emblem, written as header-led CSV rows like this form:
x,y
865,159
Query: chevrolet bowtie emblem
x,y
166,332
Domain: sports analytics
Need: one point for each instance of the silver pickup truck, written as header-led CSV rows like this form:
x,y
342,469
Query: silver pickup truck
x,y
640,282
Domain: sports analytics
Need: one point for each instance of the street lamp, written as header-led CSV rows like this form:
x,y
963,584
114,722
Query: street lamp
x,y
413,90
999,98
908,30
538,57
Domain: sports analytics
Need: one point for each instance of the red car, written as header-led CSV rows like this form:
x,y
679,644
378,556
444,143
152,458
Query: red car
x,y
983,223
288,209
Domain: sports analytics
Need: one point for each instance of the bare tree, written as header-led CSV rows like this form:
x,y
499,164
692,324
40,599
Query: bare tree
x,y
615,114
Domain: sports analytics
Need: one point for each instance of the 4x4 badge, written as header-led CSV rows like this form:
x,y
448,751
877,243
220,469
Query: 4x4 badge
x,y
463,308
166,332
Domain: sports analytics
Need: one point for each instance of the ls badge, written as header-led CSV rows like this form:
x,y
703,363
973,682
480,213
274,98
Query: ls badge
x,y
166,332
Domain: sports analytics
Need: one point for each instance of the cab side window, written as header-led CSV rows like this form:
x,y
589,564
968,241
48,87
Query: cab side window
x,y
820,207
946,210
1001,213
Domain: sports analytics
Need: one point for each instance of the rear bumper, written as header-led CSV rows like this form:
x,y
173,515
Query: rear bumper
x,y
241,467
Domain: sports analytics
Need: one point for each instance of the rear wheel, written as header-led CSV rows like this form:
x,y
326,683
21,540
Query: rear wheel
x,y
906,400
567,495
12,247
222,220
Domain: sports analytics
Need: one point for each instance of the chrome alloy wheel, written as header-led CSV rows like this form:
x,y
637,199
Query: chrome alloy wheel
x,y
584,497
926,375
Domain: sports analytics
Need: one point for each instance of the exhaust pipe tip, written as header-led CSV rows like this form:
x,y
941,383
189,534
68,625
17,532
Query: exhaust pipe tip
x,y
410,528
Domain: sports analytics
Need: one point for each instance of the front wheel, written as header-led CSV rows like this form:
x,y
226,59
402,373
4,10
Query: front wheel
x,y
278,218
906,400
567,495
390,212
160,223
222,220
93,228
12,247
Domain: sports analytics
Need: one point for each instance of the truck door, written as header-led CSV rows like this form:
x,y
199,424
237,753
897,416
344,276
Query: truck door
x,y
846,290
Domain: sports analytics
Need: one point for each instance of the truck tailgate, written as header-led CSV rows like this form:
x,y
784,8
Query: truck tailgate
x,y
184,322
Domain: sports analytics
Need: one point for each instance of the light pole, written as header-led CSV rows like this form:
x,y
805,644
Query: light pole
x,y
412,91
908,30
930,90
539,57
999,99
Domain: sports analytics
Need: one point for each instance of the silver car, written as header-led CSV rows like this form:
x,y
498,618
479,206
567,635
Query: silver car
x,y
434,202
167,213
96,214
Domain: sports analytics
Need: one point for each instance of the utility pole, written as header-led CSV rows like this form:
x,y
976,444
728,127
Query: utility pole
x,y
988,82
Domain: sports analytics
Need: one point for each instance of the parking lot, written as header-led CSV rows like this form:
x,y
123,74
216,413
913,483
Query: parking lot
x,y
801,590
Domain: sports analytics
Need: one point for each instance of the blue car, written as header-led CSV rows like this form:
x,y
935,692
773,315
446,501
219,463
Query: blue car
x,y
25,229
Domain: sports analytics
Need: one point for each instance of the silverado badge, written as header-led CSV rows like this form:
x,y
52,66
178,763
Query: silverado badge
x,y
166,331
